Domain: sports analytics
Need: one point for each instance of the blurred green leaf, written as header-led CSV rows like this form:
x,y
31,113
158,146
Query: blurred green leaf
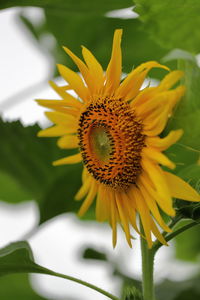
x,y
128,283
191,174
86,6
11,191
27,158
27,161
59,196
131,293
137,47
183,156
17,287
161,21
187,114
180,290
90,253
187,244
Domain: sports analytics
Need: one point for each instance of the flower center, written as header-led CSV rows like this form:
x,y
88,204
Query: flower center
x,y
100,142
111,140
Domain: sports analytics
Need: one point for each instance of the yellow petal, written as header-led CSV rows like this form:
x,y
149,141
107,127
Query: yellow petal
x,y
85,174
84,189
61,119
144,95
95,68
166,142
74,81
144,215
113,219
89,199
113,73
159,157
157,177
70,102
156,122
54,131
152,205
68,142
129,81
102,204
136,86
130,209
170,79
82,67
63,94
181,189
123,218
157,233
156,102
76,158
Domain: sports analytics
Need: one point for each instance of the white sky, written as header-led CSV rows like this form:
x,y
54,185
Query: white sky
x,y
56,244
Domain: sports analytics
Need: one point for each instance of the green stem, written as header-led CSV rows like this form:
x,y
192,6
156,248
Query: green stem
x,y
147,271
89,285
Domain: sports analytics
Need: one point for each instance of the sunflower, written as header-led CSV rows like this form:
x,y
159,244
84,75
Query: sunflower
x,y
115,127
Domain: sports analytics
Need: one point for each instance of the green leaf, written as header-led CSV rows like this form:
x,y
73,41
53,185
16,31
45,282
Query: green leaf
x,y
17,286
86,6
183,156
181,290
136,45
59,196
187,113
27,161
161,22
27,158
187,244
18,258
65,28
11,191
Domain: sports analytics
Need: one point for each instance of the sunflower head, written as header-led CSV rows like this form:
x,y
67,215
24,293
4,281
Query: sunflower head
x,y
115,127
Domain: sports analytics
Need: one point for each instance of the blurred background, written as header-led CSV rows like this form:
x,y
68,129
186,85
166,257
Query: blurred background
x,y
34,193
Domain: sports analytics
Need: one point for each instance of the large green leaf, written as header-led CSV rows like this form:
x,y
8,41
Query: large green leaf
x,y
187,114
11,191
78,6
17,287
188,244
174,24
26,161
18,258
136,45
59,197
26,157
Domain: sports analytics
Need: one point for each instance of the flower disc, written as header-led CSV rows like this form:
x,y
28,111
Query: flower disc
x,y
111,140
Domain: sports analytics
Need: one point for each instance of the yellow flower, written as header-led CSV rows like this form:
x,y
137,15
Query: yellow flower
x,y
115,128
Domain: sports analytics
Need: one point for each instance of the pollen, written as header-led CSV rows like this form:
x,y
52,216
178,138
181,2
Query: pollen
x,y
110,141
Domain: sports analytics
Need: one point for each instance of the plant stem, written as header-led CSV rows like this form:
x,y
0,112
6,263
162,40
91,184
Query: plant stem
x,y
147,270
87,284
